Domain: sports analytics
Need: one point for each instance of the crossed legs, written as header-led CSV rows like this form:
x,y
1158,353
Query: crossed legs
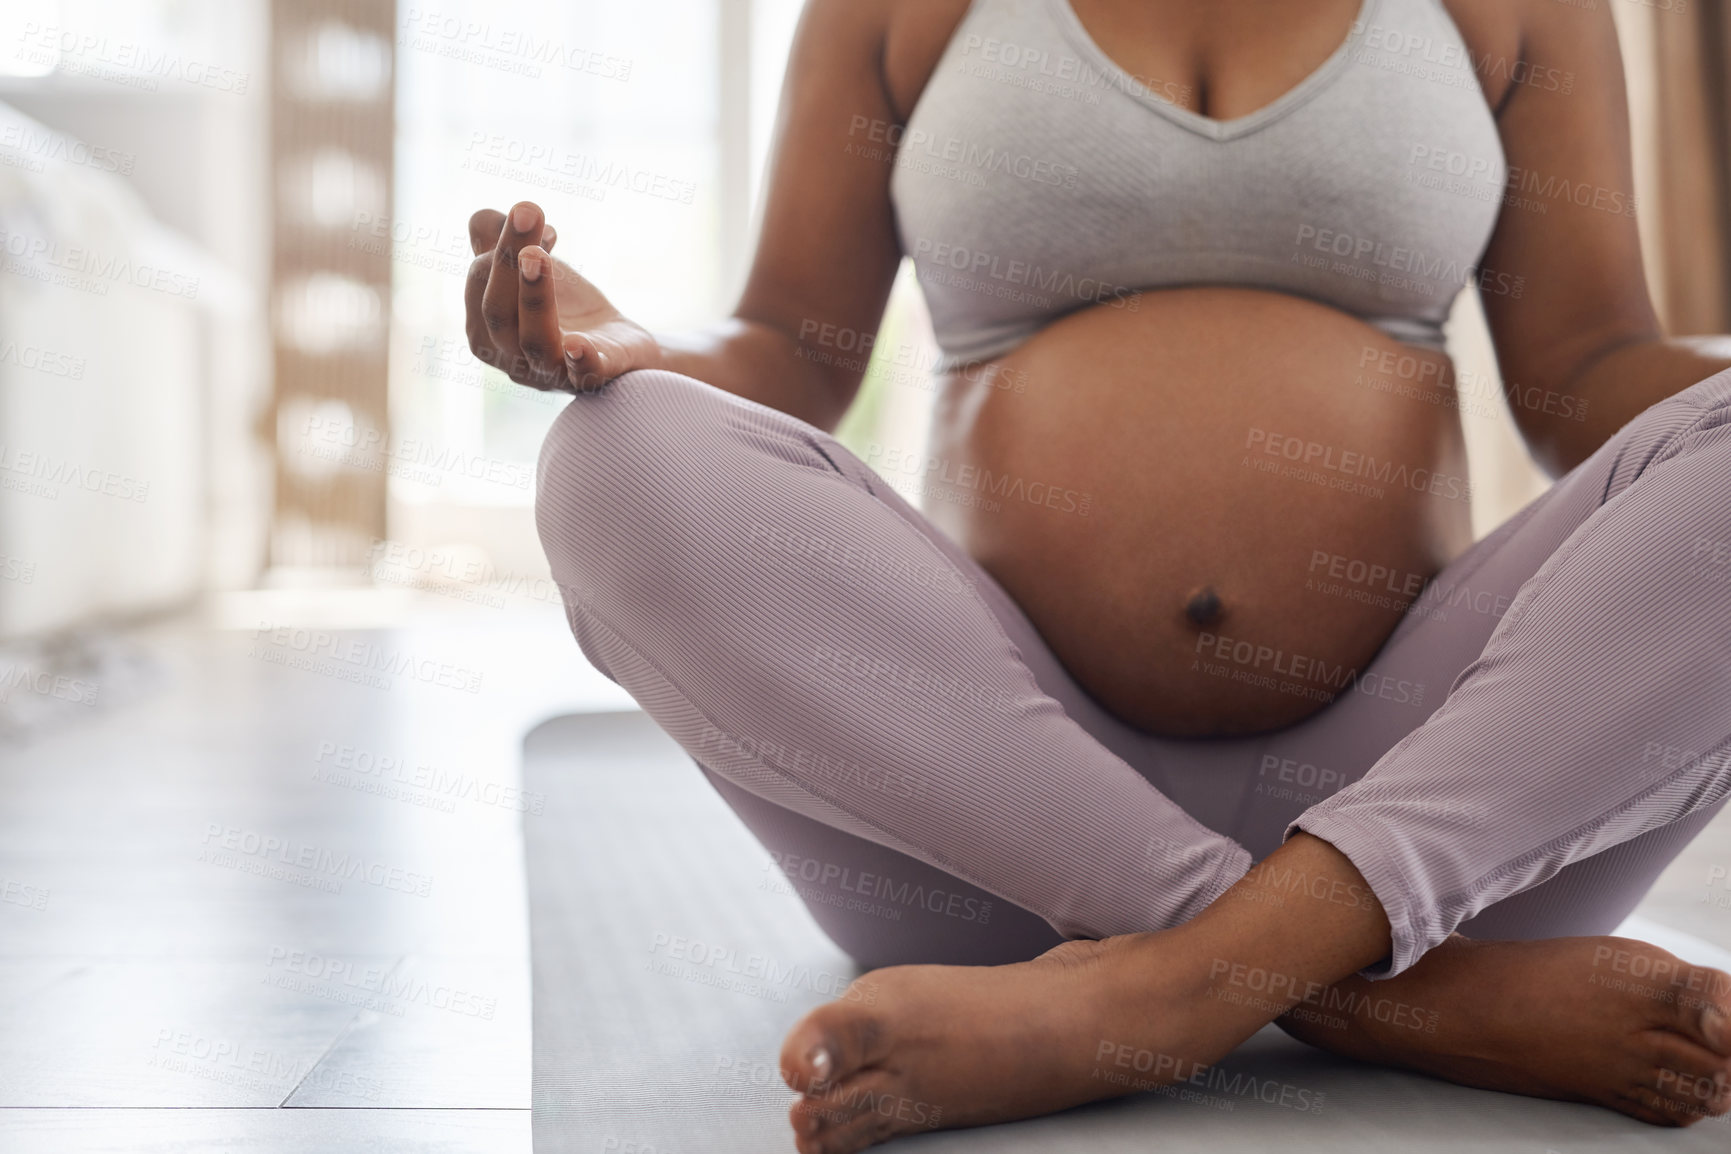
x,y
836,665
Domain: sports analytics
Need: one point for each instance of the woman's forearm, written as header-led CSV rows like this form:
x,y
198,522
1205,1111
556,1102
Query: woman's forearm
x,y
762,363
1613,390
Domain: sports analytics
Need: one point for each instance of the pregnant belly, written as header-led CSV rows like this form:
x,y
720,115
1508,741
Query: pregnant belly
x,y
1214,507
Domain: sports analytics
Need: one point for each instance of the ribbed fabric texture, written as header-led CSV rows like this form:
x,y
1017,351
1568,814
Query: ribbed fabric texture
x,y
804,636
1036,177
1599,710
811,639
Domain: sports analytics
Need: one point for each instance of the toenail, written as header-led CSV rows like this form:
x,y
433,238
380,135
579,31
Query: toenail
x,y
1713,1026
818,1060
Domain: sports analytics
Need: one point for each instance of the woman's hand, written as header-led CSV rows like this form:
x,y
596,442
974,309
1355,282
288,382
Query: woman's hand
x,y
535,319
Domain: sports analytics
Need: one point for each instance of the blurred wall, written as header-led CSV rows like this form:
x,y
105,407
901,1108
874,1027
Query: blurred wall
x,y
133,361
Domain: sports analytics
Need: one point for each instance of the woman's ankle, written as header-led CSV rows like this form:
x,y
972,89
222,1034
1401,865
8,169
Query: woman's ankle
x,y
1299,922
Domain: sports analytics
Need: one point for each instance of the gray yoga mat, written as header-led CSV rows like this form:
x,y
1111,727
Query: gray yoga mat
x,y
669,962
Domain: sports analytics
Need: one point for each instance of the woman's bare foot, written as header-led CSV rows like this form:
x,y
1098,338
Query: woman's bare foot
x,y
921,1047
1610,1021
913,1048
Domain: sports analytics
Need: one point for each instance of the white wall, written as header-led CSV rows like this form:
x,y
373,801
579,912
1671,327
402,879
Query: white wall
x,y
108,169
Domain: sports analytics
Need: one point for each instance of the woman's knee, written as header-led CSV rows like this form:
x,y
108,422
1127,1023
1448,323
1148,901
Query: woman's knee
x,y
651,483
614,465
1667,428
1712,392
622,431
651,428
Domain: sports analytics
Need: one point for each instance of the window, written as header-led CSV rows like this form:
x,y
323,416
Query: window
x,y
643,131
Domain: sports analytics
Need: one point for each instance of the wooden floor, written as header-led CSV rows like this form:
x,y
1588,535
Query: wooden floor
x,y
268,894
272,898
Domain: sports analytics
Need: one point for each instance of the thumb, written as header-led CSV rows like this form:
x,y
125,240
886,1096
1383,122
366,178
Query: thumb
x,y
588,365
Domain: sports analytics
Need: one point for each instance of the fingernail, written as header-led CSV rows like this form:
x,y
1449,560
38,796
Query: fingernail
x,y
522,218
530,264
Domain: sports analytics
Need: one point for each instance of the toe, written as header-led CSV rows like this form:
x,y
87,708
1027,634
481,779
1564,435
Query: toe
x,y
873,1093
1692,1080
1648,1106
833,1042
1704,1005
805,1117
859,1134
864,1110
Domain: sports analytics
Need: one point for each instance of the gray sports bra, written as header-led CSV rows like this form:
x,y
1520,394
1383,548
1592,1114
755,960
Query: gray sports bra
x,y
1036,177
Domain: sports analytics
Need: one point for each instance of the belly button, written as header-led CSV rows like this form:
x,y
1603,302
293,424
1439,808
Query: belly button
x,y
1203,608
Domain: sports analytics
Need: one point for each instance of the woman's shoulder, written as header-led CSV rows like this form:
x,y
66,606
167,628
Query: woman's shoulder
x,y
1505,36
898,41
916,34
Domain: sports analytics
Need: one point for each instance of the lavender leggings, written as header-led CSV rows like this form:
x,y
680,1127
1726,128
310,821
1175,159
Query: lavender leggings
x,y
1547,728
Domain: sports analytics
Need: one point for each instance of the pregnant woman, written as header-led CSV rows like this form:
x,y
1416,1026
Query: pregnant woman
x,y
1195,587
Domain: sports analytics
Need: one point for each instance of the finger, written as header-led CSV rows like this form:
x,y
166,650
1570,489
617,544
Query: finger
x,y
587,365
484,228
549,237
523,227
537,318
499,301
480,340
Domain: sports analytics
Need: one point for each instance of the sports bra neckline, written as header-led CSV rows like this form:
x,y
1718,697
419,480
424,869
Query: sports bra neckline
x,y
1208,126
